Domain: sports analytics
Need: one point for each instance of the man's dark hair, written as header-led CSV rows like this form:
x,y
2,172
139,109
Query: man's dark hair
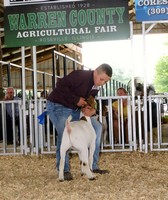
x,y
123,89
106,68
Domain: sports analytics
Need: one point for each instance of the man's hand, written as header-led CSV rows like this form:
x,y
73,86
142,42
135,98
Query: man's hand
x,y
88,111
82,102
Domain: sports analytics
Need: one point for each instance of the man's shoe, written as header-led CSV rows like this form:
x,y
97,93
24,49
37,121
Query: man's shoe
x,y
68,176
101,171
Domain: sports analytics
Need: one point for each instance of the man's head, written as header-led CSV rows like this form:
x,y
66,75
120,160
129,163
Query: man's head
x,y
9,93
121,92
102,74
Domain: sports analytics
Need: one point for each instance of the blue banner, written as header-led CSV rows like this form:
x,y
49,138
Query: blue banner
x,y
149,10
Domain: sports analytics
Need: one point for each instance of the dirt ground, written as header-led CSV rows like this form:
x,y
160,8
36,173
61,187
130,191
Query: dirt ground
x,y
133,176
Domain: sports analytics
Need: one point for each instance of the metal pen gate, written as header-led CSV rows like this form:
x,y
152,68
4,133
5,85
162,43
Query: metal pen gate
x,y
157,138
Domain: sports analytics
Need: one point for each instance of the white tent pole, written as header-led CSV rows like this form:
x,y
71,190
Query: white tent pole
x,y
24,100
133,86
35,100
145,88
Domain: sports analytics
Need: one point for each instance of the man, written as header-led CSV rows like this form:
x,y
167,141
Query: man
x,y
68,98
9,120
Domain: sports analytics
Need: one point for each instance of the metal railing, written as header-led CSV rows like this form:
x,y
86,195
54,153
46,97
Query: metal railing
x,y
43,141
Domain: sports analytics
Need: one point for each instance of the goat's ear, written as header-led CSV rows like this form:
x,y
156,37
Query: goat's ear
x,y
83,118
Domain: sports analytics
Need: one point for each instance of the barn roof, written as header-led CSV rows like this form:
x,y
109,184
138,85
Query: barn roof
x,y
44,52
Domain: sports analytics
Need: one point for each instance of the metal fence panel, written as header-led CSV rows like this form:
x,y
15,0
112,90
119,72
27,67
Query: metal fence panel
x,y
24,138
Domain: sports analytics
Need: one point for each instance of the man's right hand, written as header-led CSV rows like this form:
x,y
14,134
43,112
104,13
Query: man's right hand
x,y
82,102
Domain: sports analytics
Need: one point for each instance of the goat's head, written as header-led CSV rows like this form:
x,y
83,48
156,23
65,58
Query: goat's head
x,y
91,102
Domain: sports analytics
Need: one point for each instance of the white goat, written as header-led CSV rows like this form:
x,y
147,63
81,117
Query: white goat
x,y
81,136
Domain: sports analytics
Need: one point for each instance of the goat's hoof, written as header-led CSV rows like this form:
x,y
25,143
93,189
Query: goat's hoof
x,y
82,174
92,179
61,180
68,176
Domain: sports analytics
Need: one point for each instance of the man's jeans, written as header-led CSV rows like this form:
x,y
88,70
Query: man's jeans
x,y
58,115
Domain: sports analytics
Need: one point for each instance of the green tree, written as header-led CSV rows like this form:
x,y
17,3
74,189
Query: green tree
x,y
122,75
161,75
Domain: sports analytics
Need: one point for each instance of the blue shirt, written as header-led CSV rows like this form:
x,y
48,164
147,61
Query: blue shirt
x,y
16,108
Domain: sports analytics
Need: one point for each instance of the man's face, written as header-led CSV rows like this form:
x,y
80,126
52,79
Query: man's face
x,y
121,93
9,94
100,79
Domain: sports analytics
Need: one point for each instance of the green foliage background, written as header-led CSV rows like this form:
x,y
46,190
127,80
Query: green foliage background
x,y
161,75
122,75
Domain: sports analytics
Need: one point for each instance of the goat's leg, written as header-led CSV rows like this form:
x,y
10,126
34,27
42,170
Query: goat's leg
x,y
61,168
81,165
85,164
91,153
